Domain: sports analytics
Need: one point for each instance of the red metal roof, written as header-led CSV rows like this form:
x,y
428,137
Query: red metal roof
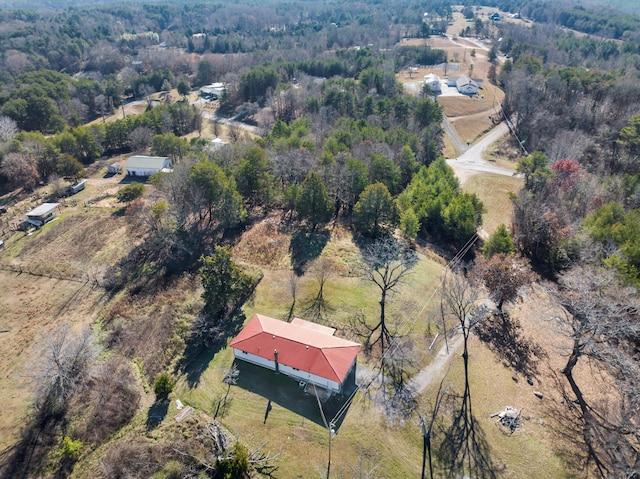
x,y
305,348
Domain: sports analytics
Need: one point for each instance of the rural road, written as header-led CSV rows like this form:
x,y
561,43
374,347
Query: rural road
x,y
231,122
472,159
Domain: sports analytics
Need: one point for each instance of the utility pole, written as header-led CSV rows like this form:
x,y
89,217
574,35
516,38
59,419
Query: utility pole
x,y
332,431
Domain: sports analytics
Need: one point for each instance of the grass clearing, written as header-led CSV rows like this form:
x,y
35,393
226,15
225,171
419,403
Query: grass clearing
x,y
494,191
31,307
530,450
293,424
470,128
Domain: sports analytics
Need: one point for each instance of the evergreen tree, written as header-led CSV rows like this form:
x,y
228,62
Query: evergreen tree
x,y
498,243
313,203
225,285
375,212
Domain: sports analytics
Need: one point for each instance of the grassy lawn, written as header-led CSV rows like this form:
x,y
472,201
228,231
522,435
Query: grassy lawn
x,y
494,191
528,452
267,407
470,128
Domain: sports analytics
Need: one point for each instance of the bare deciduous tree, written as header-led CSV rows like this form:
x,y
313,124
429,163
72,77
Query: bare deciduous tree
x,y
20,169
386,263
8,128
602,324
503,276
140,139
463,448
321,269
63,366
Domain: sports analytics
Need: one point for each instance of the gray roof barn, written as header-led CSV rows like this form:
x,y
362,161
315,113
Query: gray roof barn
x,y
139,165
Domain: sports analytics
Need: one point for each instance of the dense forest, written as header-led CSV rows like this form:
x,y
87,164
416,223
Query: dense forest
x,y
341,141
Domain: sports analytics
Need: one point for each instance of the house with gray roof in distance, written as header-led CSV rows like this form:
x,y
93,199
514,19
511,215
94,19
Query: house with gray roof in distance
x,y
140,165
215,91
466,85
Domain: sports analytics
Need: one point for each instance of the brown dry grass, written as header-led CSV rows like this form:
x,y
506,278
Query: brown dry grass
x,y
88,242
494,191
31,307
470,128
151,328
264,245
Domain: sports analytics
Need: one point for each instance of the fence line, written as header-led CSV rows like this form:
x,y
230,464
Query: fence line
x,y
45,274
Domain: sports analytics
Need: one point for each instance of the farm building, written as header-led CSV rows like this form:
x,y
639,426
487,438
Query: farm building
x,y
305,351
114,168
42,214
432,81
466,85
147,165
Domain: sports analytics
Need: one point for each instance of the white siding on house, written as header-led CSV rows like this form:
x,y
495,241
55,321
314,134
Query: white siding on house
x,y
288,371
433,82
146,165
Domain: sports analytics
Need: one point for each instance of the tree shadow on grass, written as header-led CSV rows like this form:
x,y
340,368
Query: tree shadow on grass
x,y
39,435
464,450
157,412
283,391
504,335
199,352
306,246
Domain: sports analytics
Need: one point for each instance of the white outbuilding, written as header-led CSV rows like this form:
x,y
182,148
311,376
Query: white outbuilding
x,y
147,165
42,214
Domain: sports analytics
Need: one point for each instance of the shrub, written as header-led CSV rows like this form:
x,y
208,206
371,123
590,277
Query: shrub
x,y
70,449
163,385
236,466
130,192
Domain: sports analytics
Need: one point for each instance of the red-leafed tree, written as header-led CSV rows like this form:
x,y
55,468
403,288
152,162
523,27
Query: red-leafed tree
x,y
566,173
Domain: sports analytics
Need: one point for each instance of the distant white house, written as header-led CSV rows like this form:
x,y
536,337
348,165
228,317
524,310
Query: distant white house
x,y
147,165
217,143
433,82
42,214
466,85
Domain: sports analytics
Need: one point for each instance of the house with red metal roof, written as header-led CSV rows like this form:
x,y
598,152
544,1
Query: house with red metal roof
x,y
305,351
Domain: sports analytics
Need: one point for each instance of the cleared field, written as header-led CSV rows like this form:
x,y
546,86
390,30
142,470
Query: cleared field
x,y
494,191
266,407
32,307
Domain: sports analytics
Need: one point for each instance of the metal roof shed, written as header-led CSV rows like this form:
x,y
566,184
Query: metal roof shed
x,y
42,214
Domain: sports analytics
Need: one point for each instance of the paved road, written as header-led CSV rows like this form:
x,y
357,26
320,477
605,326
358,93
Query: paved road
x,y
473,158
453,134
